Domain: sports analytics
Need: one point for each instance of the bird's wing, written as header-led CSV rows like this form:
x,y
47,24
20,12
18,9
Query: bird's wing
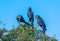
x,y
30,14
39,21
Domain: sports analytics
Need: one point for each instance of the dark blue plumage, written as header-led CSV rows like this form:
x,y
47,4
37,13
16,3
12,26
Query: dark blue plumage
x,y
41,23
21,19
30,16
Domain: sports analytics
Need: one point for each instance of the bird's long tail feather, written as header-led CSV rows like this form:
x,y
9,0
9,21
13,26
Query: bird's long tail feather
x,y
27,23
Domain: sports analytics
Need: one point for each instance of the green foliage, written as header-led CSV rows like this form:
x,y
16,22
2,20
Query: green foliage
x,y
25,33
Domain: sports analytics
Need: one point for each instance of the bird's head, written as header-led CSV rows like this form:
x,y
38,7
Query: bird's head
x,y
29,9
19,16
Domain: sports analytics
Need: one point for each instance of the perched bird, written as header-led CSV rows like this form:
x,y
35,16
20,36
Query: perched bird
x,y
21,19
30,15
41,23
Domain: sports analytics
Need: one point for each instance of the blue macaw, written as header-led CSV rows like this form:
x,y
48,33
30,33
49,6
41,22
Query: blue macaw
x,y
21,19
41,23
30,15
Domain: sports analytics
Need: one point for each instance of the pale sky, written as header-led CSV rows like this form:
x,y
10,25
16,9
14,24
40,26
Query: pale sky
x,y
49,10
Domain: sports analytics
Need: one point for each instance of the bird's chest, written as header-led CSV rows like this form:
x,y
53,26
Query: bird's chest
x,y
30,15
39,22
19,19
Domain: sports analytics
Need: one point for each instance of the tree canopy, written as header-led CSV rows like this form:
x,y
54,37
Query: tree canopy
x,y
24,33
